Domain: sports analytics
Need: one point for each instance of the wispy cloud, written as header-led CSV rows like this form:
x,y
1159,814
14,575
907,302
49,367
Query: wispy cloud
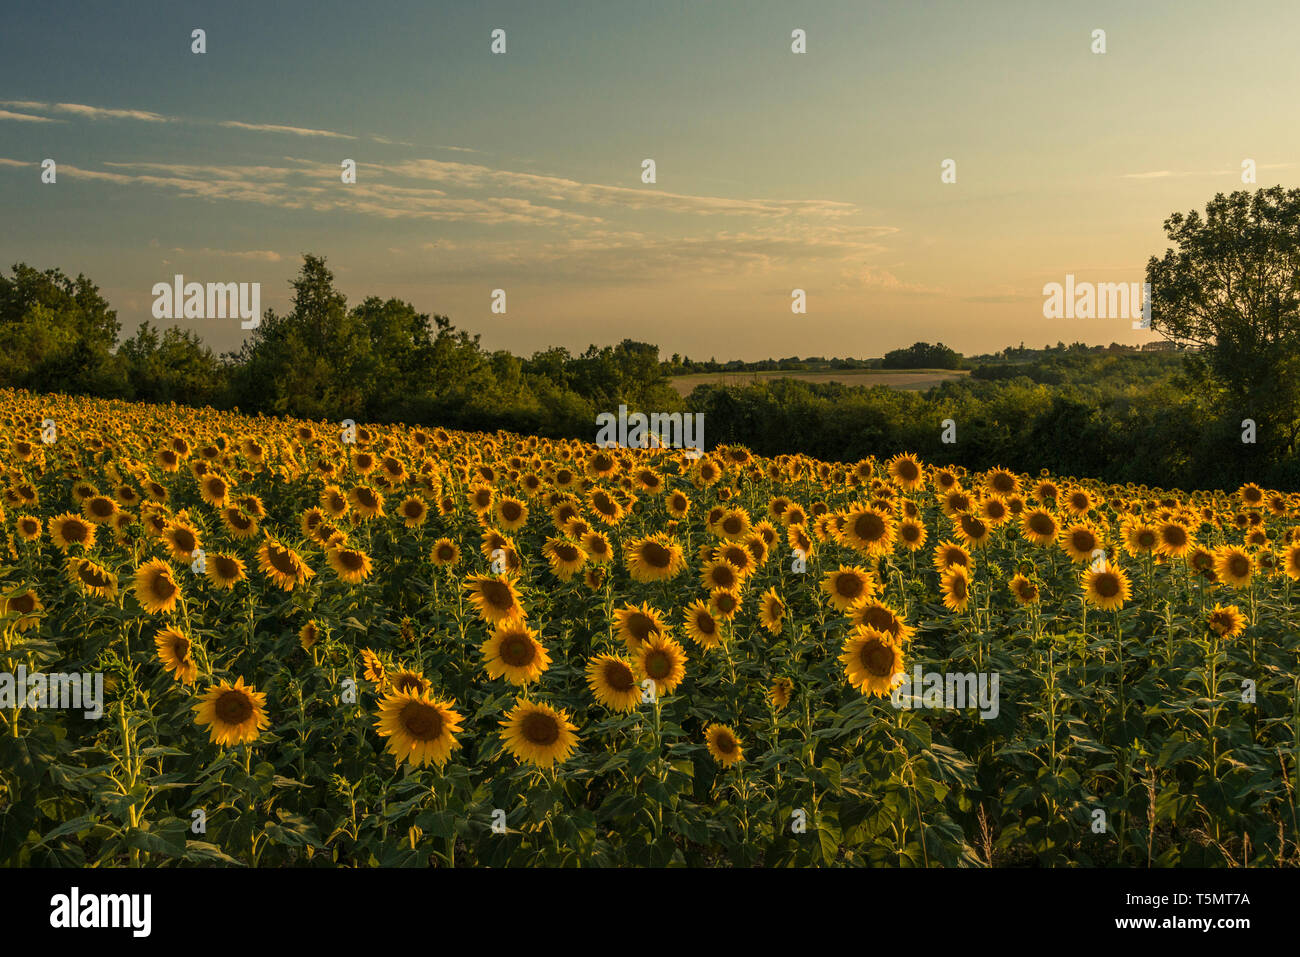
x,y
292,130
8,115
88,112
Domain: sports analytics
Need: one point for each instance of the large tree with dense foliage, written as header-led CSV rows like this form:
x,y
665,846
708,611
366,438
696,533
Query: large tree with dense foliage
x,y
1230,287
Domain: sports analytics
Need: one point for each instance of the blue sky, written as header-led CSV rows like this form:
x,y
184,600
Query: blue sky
x,y
522,171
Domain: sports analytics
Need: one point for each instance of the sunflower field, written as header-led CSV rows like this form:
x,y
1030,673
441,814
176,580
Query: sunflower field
x,y
328,644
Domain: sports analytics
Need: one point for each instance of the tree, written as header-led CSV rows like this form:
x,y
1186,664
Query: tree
x,y
1231,286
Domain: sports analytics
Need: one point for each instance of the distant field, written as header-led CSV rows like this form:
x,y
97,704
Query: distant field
x,y
913,379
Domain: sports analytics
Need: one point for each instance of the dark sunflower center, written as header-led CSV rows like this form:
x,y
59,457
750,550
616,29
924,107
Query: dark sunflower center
x,y
849,586
1107,585
420,721
877,659
517,651
234,707
652,553
658,665
497,594
541,729
162,587
619,676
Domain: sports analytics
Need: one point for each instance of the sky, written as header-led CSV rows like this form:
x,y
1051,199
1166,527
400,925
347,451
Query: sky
x,y
523,170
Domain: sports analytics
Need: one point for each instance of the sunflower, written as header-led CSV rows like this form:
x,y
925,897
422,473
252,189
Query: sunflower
x,y
1078,502
235,714
613,683
214,490
948,554
724,603
1106,587
514,653
445,553
733,524
1001,483
912,534
639,623
955,584
720,574
1080,541
282,565
607,508
875,614
420,729
973,530
373,669
565,558
1227,621
848,584
906,471
92,578
771,611
1175,540
511,514
654,558
334,502
1023,590
663,661
413,511
99,509
351,565
67,530
701,626
156,588
539,734
723,745
495,598
780,692
1140,538
176,654
182,539
237,522
1291,562
1234,566
678,504
871,659
868,531
366,501
597,547
225,571
24,606
309,634
28,528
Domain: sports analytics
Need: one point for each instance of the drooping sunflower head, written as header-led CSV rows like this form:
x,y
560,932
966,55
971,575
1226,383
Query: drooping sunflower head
x,y
780,692
1226,621
771,611
175,651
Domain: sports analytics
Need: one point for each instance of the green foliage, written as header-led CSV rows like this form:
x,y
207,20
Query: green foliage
x,y
923,355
